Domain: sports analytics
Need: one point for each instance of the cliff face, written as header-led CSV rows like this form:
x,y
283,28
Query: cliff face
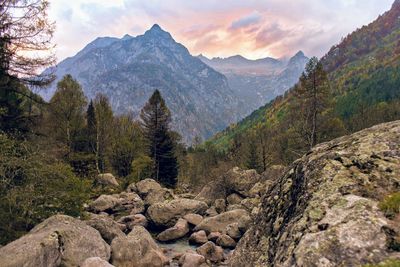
x,y
324,210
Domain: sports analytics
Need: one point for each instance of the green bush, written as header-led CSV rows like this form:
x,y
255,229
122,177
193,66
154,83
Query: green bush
x,y
390,205
34,187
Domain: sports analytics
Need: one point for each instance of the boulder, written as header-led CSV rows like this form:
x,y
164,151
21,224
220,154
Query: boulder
x,y
152,192
212,191
234,199
131,221
106,179
213,236
59,240
107,227
199,237
323,211
220,205
166,214
211,252
104,203
193,219
137,249
179,230
221,221
211,212
131,202
131,188
191,260
96,262
241,181
233,230
234,207
226,241
250,203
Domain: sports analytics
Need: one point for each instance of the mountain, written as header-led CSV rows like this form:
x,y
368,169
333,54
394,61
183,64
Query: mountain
x,y
364,73
129,69
259,81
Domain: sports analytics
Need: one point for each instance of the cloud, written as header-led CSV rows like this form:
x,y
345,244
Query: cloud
x,y
252,28
246,21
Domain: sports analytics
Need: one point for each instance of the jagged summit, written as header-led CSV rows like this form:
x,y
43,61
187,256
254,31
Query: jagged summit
x,y
157,32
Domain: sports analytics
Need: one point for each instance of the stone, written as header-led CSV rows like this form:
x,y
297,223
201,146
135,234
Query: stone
x,y
107,227
104,203
179,230
211,252
191,260
152,192
96,262
131,202
212,191
234,207
226,241
323,211
131,221
59,240
213,236
193,219
241,181
234,199
221,221
199,237
107,179
220,205
211,212
137,249
233,230
166,214
131,188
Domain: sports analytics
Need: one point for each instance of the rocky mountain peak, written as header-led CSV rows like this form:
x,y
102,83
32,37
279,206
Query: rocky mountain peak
x,y
157,32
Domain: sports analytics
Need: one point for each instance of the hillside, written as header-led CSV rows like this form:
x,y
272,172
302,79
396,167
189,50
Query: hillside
x,y
364,72
259,81
129,69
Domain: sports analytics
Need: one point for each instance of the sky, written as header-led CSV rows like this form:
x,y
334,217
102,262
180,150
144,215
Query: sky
x,y
217,28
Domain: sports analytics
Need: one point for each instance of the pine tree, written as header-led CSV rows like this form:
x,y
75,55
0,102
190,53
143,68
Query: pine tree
x,y
253,160
156,118
91,132
312,98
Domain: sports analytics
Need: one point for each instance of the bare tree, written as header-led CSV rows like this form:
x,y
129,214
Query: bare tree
x,y
25,41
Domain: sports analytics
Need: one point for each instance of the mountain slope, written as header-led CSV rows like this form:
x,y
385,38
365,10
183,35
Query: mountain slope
x,y
128,70
259,81
364,71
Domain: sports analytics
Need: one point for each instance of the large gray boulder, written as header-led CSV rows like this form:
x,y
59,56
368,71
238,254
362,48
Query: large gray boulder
x,y
59,240
324,210
107,227
104,203
211,252
190,259
241,181
220,222
152,192
107,179
137,249
179,230
167,213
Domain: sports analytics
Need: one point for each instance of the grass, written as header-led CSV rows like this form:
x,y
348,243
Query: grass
x,y
390,205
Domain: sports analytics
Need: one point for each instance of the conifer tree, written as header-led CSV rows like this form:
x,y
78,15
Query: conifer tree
x,y
91,132
312,98
156,118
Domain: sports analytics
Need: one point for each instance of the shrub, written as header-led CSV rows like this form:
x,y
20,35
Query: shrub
x,y
390,205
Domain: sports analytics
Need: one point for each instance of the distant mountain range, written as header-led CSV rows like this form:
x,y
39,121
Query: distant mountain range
x,y
259,81
363,69
204,95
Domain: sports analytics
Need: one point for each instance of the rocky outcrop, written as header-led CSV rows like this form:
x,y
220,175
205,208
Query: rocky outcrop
x,y
59,240
137,249
221,221
323,210
166,214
